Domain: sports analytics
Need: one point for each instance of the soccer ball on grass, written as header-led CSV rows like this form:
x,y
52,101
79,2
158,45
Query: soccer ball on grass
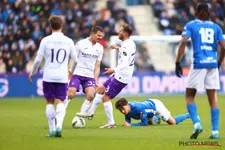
x,y
78,122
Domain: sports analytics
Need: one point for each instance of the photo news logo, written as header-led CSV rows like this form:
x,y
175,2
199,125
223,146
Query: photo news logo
x,y
199,143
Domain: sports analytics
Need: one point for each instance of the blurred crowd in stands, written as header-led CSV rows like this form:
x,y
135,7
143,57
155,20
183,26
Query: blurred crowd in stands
x,y
23,23
172,15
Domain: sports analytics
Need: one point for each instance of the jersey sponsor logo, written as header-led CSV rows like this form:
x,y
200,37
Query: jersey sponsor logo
x,y
208,48
208,60
150,111
89,55
4,88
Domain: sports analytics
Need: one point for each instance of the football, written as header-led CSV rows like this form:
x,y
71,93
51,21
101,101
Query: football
x,y
78,122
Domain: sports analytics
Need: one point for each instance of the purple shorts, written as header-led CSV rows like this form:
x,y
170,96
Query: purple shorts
x,y
77,80
55,90
113,87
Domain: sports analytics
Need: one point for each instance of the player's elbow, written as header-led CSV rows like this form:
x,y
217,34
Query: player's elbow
x,y
184,40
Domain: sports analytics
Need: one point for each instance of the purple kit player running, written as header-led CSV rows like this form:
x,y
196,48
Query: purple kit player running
x,y
122,76
89,56
56,50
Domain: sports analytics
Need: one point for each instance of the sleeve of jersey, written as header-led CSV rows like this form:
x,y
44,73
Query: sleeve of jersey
x,y
124,59
38,58
127,119
144,120
187,30
73,53
220,35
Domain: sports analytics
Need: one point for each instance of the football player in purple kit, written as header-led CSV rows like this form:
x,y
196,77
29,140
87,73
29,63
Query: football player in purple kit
x,y
122,75
56,49
87,69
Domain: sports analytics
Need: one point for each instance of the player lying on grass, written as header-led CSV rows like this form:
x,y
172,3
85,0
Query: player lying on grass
x,y
145,111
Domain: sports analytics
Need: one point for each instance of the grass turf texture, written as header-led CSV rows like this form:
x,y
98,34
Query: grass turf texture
x,y
24,127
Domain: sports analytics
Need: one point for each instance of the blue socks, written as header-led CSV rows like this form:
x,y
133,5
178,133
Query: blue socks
x,y
181,118
215,113
192,110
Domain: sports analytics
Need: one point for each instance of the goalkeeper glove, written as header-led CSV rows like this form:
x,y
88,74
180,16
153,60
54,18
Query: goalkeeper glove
x,y
178,70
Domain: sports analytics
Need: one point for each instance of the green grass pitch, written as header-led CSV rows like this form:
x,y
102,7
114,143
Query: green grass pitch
x,y
23,126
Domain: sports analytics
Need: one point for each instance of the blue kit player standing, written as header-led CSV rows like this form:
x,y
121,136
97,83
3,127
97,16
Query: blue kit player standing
x,y
205,35
56,49
146,111
122,75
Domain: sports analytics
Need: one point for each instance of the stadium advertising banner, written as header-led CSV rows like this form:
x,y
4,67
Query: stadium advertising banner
x,y
17,85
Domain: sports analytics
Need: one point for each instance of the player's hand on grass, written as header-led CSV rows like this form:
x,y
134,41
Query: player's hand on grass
x,y
30,78
126,124
114,47
109,71
178,70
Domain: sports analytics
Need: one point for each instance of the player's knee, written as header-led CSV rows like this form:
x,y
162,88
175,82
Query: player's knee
x,y
105,98
171,122
90,96
100,90
71,94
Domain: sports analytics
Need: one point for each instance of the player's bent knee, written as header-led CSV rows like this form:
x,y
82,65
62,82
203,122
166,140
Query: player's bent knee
x,y
71,94
100,90
171,121
90,97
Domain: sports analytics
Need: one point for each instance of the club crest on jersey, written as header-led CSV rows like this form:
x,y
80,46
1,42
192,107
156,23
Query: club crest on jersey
x,y
124,53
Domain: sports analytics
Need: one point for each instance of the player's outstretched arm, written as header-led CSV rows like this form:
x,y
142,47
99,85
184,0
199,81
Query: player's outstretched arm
x,y
144,120
114,47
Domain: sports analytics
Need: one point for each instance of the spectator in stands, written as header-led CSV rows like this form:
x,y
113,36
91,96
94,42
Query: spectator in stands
x,y
23,23
172,15
2,66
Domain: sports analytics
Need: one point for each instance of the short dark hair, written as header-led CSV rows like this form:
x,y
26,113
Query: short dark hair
x,y
202,11
56,22
120,103
127,28
95,29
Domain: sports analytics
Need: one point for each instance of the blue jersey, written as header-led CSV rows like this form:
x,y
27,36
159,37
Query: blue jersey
x,y
204,36
141,111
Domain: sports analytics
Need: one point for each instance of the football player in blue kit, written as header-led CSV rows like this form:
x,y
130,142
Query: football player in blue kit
x,y
147,111
205,36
